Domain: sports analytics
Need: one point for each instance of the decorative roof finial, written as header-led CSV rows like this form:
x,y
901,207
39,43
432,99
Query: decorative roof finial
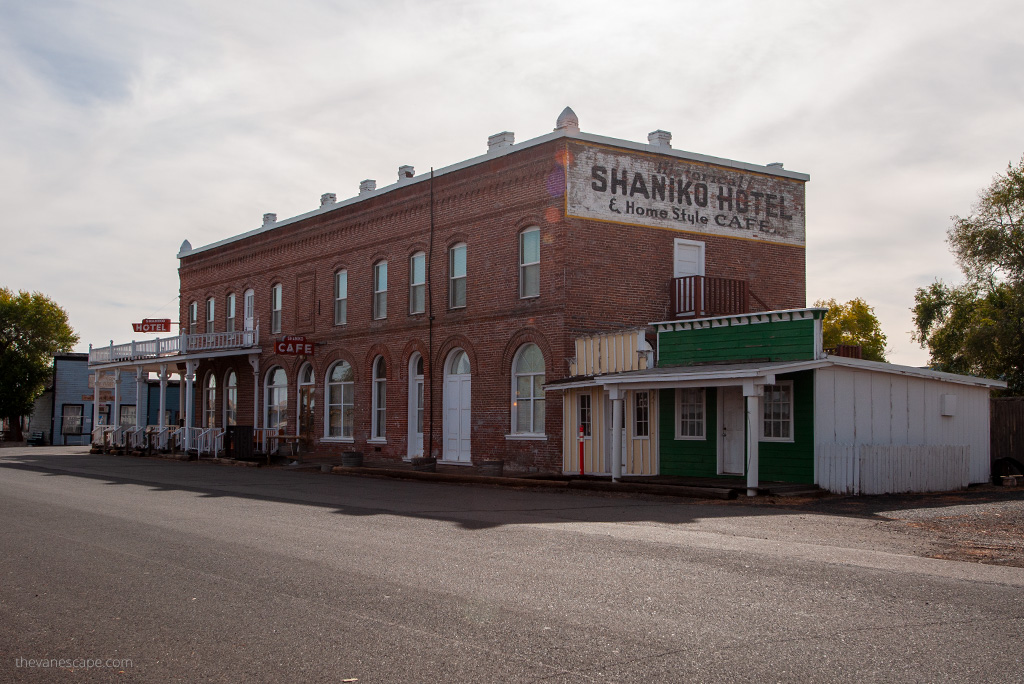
x,y
568,121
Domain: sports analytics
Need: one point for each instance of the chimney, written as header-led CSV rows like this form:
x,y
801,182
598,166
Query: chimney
x,y
659,138
775,165
568,121
405,173
500,141
367,186
328,198
269,219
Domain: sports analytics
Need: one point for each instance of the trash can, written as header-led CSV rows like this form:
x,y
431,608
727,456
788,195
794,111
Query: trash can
x,y
240,442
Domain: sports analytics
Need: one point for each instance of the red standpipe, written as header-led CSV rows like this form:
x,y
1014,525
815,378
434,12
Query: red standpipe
x,y
581,450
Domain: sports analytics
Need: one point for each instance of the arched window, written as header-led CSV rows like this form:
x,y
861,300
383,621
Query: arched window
x,y
380,382
341,297
417,283
340,418
380,290
307,400
528,391
193,317
231,399
276,409
529,263
210,401
415,405
210,306
229,313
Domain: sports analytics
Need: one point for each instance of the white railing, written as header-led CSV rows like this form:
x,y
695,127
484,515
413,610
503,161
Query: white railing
x,y
159,436
99,434
117,435
889,469
178,437
173,346
136,437
210,441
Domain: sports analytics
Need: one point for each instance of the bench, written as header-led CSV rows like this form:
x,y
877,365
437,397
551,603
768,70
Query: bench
x,y
36,439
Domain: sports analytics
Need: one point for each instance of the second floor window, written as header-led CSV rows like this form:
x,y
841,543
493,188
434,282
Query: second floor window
x,y
229,318
209,315
529,263
275,309
193,317
341,297
418,283
457,276
380,290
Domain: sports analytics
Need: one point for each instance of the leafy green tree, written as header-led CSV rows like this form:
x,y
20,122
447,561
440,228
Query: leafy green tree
x,y
32,329
855,323
977,327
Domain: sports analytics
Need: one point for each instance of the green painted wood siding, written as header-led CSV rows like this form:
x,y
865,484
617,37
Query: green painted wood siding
x,y
792,461
688,457
776,341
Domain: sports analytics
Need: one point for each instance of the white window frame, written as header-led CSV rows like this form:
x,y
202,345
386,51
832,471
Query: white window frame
x,y
586,422
418,287
230,405
678,417
787,386
379,404
193,317
70,422
280,412
380,290
454,279
229,313
346,407
209,400
636,414
341,297
532,399
211,307
523,264
276,295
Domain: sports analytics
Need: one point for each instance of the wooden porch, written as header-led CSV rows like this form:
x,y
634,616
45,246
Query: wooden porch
x,y
701,296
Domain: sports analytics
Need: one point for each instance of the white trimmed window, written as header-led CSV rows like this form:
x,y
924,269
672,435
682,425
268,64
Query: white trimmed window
x,y
642,415
529,263
209,314
275,309
380,290
71,419
340,401
586,415
418,283
229,313
528,391
777,422
193,318
210,401
231,399
341,297
690,413
457,276
276,410
380,385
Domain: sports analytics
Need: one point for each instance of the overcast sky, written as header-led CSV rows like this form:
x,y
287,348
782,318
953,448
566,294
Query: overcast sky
x,y
127,126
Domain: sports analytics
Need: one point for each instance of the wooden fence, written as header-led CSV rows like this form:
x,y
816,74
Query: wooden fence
x,y
887,469
1007,425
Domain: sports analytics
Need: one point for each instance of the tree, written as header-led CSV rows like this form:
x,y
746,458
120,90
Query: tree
x,y
32,329
853,323
976,328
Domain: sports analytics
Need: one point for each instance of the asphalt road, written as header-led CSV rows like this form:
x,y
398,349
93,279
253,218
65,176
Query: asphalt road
x,y
200,573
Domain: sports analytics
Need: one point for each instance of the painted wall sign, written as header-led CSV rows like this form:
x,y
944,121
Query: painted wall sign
x,y
634,188
106,381
293,345
153,325
105,396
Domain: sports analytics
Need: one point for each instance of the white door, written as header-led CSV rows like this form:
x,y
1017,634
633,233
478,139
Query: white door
x,y
689,258
457,415
415,406
732,438
609,433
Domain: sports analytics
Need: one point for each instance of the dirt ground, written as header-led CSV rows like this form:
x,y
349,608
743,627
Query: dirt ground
x,y
984,524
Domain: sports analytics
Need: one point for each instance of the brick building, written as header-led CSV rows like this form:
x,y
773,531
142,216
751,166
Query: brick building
x,y
431,311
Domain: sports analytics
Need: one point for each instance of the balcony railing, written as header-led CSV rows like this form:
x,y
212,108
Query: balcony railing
x,y
174,346
701,296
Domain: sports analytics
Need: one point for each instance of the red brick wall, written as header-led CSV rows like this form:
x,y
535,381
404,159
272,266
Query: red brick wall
x,y
594,276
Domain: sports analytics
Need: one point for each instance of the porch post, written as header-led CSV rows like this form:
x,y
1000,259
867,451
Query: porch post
x,y
616,396
95,400
161,420
140,385
115,418
753,434
254,361
190,376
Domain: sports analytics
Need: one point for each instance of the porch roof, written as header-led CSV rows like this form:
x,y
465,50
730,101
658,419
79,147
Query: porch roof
x,y
763,372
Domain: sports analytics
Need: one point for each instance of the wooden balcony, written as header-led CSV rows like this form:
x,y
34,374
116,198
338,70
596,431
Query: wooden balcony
x,y
704,296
